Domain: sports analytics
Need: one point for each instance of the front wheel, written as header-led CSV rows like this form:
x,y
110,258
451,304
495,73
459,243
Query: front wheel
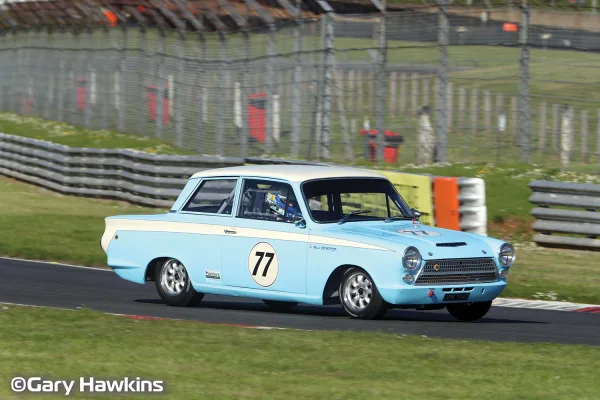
x,y
359,295
281,306
469,311
174,285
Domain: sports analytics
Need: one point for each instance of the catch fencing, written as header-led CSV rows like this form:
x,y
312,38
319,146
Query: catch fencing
x,y
566,214
448,84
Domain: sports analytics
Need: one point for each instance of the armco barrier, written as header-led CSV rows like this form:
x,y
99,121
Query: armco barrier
x,y
137,177
577,226
156,180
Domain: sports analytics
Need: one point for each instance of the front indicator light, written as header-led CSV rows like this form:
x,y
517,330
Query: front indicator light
x,y
504,273
408,278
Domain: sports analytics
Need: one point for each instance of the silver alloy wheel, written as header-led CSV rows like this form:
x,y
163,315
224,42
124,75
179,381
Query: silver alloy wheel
x,y
173,277
358,291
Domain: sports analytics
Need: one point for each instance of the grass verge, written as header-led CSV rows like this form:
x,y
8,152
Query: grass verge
x,y
221,362
39,224
70,135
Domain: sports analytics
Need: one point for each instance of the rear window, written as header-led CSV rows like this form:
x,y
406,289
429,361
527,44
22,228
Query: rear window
x,y
214,196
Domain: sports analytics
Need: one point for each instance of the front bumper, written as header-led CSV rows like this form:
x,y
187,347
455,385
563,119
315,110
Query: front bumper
x,y
420,295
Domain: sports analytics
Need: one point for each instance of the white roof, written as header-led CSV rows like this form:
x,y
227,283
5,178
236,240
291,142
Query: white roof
x,y
291,173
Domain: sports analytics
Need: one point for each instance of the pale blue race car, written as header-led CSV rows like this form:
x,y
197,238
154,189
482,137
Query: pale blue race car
x,y
306,234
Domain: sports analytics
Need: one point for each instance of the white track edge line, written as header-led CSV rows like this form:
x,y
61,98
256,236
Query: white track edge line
x,y
55,263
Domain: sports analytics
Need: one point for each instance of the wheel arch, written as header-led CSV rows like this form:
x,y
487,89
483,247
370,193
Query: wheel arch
x,y
333,283
150,268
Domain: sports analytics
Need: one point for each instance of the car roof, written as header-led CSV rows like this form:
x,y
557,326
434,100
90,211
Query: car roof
x,y
291,173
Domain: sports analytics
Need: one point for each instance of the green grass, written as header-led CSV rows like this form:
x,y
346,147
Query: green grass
x,y
197,360
39,224
73,136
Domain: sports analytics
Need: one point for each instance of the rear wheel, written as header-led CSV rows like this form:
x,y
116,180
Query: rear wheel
x,y
174,285
469,311
281,306
359,295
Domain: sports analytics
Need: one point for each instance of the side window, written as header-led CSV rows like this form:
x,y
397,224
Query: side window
x,y
214,196
268,200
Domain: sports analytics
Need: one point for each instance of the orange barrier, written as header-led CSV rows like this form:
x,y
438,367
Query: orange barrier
x,y
446,203
510,27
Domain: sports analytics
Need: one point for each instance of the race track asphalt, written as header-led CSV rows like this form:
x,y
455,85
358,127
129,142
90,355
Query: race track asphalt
x,y
54,285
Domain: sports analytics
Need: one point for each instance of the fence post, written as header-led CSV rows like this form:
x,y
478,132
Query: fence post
x,y
245,131
342,113
403,94
121,79
426,137
414,94
442,93
160,90
297,88
328,33
140,120
223,90
543,123
462,110
566,135
393,83
474,111
524,111
178,90
584,136
270,83
90,78
381,83
200,93
555,127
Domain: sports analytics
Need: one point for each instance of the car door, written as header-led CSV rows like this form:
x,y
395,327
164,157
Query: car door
x,y
207,214
264,248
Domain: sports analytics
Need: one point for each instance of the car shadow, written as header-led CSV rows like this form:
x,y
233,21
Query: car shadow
x,y
393,315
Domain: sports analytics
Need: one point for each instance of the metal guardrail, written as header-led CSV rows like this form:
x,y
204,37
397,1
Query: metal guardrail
x,y
567,226
137,177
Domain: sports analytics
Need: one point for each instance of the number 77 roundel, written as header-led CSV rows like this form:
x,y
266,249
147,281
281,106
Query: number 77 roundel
x,y
263,264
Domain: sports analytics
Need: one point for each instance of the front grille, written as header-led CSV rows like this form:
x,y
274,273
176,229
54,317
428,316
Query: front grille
x,y
458,271
453,244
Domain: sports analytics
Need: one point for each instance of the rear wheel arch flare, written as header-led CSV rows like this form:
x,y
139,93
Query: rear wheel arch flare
x,y
333,282
149,276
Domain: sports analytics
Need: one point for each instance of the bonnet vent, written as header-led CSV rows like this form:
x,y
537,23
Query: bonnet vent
x,y
453,244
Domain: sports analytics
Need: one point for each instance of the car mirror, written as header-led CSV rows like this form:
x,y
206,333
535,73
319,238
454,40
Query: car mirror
x,y
416,213
300,222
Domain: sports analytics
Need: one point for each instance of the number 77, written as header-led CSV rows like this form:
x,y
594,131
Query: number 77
x,y
261,255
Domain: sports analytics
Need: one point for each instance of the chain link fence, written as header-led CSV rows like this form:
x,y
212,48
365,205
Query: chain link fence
x,y
445,84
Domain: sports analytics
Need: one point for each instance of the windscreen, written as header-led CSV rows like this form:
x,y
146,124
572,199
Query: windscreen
x,y
330,200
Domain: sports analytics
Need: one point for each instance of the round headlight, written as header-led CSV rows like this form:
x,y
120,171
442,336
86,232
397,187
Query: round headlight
x,y
506,256
411,259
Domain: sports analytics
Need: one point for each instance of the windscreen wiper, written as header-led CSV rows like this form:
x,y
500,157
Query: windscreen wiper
x,y
357,212
398,218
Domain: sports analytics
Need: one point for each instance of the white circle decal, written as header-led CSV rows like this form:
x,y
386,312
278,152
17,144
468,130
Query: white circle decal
x,y
415,232
263,264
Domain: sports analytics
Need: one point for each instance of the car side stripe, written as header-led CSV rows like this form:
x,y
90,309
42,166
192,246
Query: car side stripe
x,y
114,225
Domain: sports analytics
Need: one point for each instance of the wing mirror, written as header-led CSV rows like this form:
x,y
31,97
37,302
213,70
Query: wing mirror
x,y
299,222
416,213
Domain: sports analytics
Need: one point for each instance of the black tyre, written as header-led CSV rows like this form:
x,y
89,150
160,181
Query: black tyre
x,y
359,295
174,285
281,306
469,311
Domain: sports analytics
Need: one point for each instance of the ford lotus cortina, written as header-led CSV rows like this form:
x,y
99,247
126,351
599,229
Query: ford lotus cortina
x,y
306,234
